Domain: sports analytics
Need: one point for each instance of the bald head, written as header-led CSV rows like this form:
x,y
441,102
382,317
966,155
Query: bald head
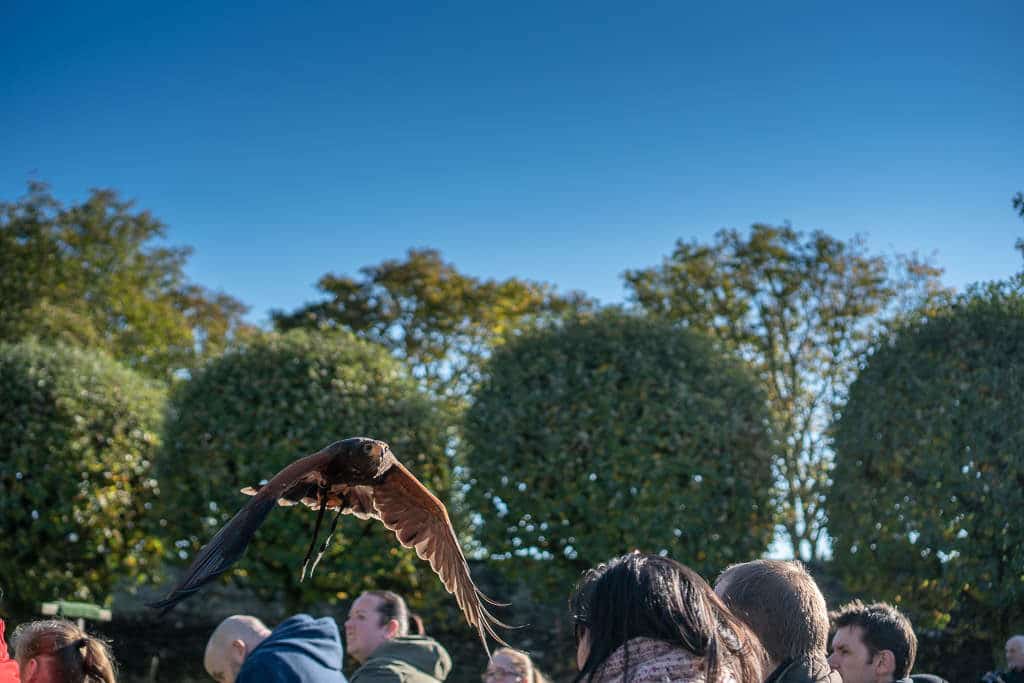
x,y
230,644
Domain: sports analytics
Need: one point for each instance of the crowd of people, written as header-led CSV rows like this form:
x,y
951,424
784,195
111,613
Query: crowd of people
x,y
637,619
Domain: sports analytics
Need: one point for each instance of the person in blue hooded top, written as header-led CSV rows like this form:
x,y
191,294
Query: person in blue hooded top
x,y
243,650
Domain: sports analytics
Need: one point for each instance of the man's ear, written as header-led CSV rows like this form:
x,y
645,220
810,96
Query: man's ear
x,y
393,628
238,651
30,670
885,664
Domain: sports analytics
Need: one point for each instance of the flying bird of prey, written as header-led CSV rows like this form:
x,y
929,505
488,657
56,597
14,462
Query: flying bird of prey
x,y
361,477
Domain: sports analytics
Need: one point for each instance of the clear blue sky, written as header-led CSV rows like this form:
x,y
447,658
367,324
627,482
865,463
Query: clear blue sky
x,y
563,142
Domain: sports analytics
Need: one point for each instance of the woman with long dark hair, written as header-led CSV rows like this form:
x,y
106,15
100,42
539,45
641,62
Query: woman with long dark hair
x,y
644,618
57,651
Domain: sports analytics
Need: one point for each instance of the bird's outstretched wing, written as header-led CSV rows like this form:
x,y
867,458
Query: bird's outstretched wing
x,y
420,521
217,556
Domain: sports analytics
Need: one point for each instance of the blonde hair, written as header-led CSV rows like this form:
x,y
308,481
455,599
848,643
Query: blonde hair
x,y
531,674
77,657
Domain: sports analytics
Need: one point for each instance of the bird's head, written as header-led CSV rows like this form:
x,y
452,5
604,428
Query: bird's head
x,y
372,456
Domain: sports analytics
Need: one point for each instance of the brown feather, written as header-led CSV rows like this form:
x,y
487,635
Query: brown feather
x,y
386,491
421,521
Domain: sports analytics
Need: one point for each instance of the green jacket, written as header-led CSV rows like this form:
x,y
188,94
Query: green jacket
x,y
405,659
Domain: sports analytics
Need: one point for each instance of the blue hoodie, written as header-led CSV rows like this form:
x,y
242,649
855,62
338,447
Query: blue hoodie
x,y
299,649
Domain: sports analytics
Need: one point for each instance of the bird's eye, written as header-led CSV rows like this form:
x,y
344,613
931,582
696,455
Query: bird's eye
x,y
367,447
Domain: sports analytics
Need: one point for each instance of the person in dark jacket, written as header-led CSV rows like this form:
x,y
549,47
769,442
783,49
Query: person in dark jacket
x,y
1014,663
243,650
783,606
872,644
377,635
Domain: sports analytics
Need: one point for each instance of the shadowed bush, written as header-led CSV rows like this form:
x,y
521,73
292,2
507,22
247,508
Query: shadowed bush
x,y
615,433
256,409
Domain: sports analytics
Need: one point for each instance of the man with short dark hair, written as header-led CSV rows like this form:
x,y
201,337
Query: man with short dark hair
x,y
872,644
377,636
782,605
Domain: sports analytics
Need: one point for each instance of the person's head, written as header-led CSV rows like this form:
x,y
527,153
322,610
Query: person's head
x,y
512,666
374,618
782,605
648,596
57,651
872,643
230,644
1015,653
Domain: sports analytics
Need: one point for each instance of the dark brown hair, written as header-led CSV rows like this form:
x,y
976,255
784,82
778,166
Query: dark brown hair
x,y
780,601
392,606
883,627
76,657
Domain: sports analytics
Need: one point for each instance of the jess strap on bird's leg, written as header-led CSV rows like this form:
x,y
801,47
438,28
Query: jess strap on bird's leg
x,y
327,540
321,496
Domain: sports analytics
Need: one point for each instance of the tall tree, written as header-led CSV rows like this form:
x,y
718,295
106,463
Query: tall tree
x,y
441,322
91,275
802,309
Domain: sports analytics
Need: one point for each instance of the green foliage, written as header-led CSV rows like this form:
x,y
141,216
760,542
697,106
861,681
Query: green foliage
x,y
78,434
255,409
615,433
929,475
441,322
802,308
88,275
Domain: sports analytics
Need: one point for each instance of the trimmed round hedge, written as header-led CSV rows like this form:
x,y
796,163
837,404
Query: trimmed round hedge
x,y
613,433
929,467
78,435
249,413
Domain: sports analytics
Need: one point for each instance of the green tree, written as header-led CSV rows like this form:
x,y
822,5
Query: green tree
x,y
78,434
250,412
89,275
801,309
441,322
613,433
929,476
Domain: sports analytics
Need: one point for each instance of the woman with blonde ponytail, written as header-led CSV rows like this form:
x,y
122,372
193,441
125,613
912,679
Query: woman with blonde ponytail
x,y
57,651
512,666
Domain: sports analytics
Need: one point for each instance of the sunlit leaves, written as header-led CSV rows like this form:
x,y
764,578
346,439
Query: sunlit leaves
x,y
78,435
441,322
801,308
95,275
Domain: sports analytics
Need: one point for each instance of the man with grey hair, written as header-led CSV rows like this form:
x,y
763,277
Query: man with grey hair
x,y
782,605
1014,663
243,650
